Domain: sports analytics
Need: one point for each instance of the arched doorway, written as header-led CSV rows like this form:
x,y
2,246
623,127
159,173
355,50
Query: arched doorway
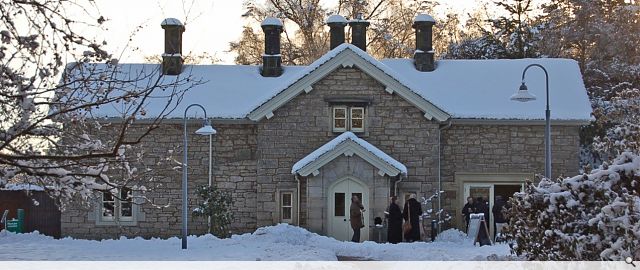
x,y
339,202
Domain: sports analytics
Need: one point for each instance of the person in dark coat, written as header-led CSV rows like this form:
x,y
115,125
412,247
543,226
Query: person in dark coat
x,y
467,210
355,217
498,217
482,206
394,229
412,206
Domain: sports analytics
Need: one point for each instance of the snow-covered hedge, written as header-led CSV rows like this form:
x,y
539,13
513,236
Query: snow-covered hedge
x,y
587,217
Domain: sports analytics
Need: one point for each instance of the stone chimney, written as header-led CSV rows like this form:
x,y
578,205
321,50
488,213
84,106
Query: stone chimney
x,y
423,56
271,59
172,56
359,32
336,23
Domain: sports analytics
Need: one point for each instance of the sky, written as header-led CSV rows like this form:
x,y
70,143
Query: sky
x,y
210,25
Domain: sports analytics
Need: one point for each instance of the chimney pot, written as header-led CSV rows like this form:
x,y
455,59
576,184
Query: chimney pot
x,y
336,23
271,59
424,55
172,57
359,32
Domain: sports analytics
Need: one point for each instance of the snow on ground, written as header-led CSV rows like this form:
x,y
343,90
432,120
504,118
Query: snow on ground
x,y
281,243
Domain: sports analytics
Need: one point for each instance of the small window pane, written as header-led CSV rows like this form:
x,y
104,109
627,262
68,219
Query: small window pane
x,y
339,205
340,113
340,123
108,209
356,123
286,213
108,205
286,199
357,113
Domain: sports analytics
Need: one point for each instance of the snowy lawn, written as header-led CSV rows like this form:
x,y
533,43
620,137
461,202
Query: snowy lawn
x,y
281,242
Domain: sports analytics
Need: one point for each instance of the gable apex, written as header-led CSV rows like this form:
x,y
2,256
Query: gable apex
x,y
346,56
348,144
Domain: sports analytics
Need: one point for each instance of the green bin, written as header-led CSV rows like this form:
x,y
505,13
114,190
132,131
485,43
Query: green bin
x,y
16,225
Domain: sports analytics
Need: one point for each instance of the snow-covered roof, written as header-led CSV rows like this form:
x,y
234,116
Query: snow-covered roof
x,y
171,21
22,186
272,21
348,143
424,18
465,89
480,89
335,18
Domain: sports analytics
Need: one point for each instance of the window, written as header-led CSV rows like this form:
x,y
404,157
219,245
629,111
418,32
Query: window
x,y
357,119
340,119
347,118
118,207
286,207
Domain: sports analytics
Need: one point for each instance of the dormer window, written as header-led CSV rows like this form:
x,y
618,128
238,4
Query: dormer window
x,y
348,118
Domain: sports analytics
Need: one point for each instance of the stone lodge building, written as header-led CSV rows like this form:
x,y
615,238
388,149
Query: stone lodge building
x,y
294,143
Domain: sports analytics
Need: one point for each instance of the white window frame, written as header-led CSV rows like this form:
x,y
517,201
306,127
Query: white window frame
x,y
117,218
346,118
351,118
283,206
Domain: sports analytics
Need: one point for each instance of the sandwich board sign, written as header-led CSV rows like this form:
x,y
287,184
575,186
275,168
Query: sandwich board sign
x,y
478,230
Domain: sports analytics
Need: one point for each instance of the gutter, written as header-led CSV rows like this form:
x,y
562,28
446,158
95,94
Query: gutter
x,y
298,199
440,129
395,185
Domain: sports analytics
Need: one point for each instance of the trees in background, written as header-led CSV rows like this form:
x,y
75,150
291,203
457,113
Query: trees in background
x,y
50,82
306,37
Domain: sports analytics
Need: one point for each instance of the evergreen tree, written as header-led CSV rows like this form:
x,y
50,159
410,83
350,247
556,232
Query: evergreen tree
x,y
216,205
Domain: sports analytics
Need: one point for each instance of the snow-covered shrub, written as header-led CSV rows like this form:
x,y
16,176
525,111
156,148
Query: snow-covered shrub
x,y
587,217
217,205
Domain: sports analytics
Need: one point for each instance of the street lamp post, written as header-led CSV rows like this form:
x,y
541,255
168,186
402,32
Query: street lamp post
x,y
523,95
206,129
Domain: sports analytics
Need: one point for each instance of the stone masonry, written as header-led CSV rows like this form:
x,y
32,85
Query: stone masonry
x,y
254,160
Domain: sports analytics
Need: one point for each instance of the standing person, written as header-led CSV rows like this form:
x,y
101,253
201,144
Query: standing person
x,y
355,213
394,229
411,213
498,218
467,210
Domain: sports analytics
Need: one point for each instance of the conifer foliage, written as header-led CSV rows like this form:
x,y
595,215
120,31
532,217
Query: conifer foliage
x,y
587,217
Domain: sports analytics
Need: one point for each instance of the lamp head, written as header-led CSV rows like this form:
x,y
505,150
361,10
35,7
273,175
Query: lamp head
x,y
206,129
523,94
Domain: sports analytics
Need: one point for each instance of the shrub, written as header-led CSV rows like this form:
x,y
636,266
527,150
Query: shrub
x,y
587,217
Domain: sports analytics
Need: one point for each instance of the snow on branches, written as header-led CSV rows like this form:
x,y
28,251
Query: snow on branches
x,y
586,217
48,136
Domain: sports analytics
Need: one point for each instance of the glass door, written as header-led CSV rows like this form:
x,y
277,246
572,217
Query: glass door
x,y
486,193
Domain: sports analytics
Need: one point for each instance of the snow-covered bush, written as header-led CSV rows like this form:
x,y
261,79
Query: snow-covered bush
x,y
587,217
217,205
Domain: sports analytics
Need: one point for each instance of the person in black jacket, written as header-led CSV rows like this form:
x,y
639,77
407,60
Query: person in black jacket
x,y
394,229
412,212
467,210
498,217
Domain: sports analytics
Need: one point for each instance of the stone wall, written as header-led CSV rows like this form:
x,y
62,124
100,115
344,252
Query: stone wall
x,y
160,213
304,124
502,149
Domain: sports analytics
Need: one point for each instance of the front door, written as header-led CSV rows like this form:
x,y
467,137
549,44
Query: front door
x,y
488,192
340,195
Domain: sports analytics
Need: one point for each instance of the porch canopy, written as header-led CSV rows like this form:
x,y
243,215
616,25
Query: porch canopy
x,y
348,144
